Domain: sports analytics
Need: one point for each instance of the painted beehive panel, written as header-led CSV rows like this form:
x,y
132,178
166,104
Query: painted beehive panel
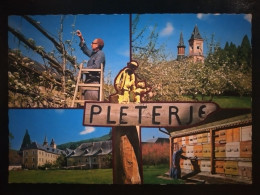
x,y
205,165
175,140
184,150
246,133
231,167
220,150
191,140
245,169
195,140
179,144
183,139
209,138
199,138
206,150
205,137
187,140
222,136
189,151
236,134
198,150
233,149
219,166
179,139
246,149
187,164
216,137
229,135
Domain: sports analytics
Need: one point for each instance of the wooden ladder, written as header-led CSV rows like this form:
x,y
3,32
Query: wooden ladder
x,y
90,86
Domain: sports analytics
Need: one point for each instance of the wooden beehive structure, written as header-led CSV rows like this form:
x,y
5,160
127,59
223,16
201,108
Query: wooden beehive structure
x,y
222,147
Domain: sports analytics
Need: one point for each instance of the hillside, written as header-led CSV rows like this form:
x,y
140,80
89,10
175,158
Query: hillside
x,y
74,145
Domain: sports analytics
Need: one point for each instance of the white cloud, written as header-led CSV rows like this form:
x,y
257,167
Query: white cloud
x,y
167,30
87,130
200,16
248,17
124,53
59,111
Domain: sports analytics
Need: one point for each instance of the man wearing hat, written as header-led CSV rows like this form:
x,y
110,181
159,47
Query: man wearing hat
x,y
97,57
125,82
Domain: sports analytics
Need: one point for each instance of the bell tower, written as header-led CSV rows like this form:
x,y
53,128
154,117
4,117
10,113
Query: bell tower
x,y
45,142
196,46
181,48
53,145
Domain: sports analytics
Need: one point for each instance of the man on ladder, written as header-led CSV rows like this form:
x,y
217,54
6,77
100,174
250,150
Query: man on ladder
x,y
97,57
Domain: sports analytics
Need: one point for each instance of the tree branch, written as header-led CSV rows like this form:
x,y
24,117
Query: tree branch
x,y
56,44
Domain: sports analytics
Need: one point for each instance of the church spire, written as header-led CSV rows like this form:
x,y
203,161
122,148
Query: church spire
x,y
181,42
181,48
53,145
45,142
195,34
196,46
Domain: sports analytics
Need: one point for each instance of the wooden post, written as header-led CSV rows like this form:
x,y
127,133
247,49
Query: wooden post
x,y
127,158
212,155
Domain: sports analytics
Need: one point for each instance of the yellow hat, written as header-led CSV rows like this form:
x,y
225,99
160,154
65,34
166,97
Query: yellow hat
x,y
134,63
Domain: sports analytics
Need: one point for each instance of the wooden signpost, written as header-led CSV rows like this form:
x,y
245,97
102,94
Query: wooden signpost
x,y
147,114
126,120
126,114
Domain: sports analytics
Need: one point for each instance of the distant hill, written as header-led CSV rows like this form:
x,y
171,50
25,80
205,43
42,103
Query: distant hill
x,y
74,145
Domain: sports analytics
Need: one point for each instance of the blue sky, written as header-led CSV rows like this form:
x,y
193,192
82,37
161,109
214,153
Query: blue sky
x,y
114,29
66,125
225,27
63,125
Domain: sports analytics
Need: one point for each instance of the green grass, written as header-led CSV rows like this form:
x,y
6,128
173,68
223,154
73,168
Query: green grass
x,y
230,101
233,101
94,176
151,175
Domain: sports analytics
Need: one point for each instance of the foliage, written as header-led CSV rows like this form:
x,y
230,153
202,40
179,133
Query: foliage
x,y
61,161
32,84
108,160
14,157
155,153
26,140
47,165
74,145
225,71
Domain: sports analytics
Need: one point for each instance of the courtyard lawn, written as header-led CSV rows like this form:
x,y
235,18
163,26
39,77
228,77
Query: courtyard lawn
x,y
93,176
152,175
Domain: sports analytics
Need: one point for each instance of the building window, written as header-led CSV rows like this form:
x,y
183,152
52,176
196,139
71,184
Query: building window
x,y
94,159
86,159
33,159
198,47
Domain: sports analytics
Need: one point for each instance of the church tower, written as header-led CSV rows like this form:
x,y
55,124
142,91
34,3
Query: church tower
x,y
53,145
45,142
196,46
181,48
